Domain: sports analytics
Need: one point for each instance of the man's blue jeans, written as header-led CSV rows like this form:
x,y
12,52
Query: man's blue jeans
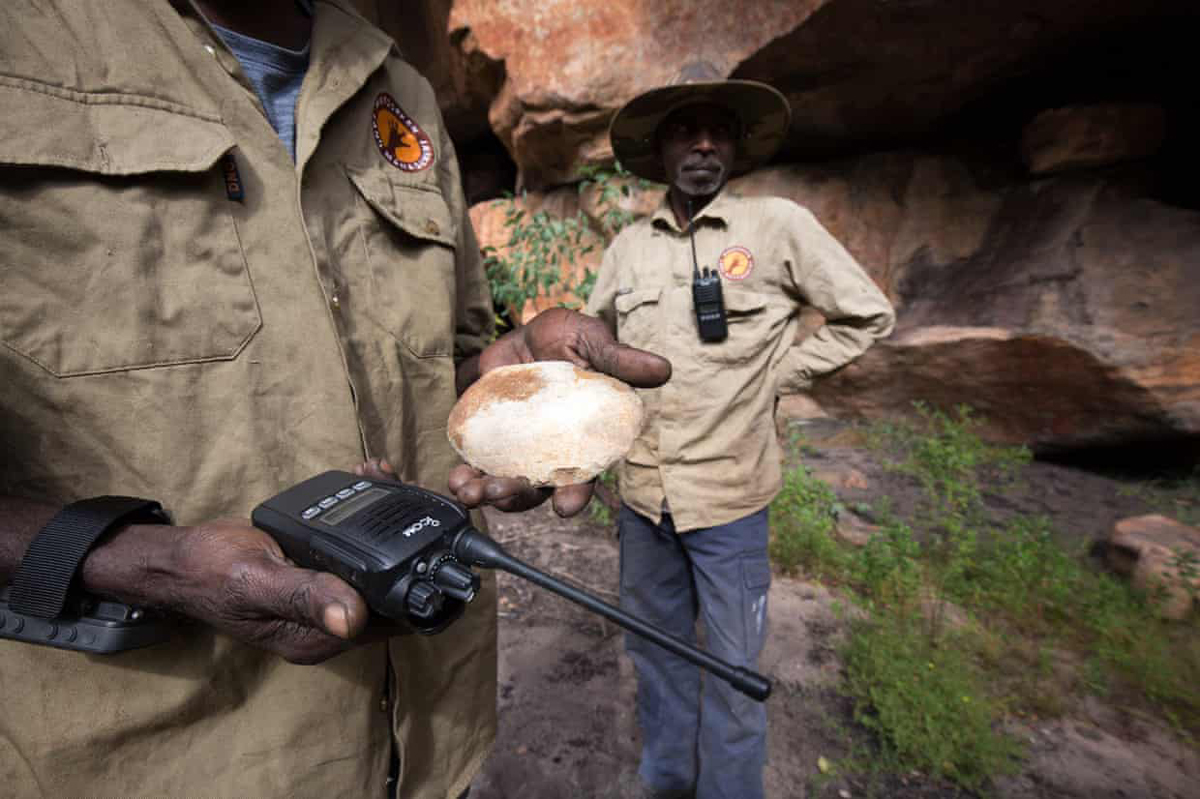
x,y
710,738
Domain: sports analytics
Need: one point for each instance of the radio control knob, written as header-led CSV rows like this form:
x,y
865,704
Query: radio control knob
x,y
456,580
424,600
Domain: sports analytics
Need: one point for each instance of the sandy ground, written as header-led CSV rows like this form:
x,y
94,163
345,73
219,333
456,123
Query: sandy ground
x,y
567,722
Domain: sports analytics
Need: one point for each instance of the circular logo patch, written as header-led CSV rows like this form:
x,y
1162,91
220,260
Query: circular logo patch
x,y
399,138
736,263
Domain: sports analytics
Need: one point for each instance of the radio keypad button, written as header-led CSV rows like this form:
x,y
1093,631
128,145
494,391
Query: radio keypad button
x,y
310,512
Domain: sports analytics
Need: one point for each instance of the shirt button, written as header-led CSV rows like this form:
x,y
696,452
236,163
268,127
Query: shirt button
x,y
432,228
335,302
383,705
211,50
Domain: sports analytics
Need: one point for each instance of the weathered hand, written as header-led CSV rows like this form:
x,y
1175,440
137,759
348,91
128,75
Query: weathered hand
x,y
555,335
236,579
559,334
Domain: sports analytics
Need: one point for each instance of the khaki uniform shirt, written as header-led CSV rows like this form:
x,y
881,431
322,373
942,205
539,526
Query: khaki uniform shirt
x,y
709,447
206,335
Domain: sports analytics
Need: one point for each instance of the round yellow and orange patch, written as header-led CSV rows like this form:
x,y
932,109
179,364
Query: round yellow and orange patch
x,y
736,263
399,138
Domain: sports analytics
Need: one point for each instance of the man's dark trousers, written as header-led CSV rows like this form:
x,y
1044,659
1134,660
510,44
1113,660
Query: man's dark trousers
x,y
699,734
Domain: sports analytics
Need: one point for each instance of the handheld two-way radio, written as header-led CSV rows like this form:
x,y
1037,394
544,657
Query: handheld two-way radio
x,y
707,297
409,552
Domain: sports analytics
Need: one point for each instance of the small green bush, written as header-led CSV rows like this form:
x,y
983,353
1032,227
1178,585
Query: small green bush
x,y
803,516
927,702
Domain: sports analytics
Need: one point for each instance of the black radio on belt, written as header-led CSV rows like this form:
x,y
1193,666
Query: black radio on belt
x,y
707,298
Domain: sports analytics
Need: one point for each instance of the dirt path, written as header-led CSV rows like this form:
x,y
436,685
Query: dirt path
x,y
567,726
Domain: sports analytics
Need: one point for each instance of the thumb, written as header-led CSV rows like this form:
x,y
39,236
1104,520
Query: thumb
x,y
636,367
322,601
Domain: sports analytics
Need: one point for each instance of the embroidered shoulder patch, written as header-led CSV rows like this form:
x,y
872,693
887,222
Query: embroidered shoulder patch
x,y
736,263
399,138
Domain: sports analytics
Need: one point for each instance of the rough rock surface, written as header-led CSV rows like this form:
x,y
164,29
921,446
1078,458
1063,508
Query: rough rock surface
x,y
546,75
1159,554
1079,137
570,65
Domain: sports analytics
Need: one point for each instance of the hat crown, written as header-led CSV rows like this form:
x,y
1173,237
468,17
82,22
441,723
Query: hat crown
x,y
696,72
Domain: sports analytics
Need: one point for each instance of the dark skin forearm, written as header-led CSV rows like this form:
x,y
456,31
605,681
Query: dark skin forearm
x,y
20,520
225,573
129,565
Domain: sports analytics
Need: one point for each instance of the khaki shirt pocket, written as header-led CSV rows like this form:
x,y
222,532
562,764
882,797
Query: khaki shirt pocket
x,y
639,317
120,250
748,325
411,242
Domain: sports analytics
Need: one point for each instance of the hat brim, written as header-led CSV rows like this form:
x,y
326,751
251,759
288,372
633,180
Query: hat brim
x,y
764,113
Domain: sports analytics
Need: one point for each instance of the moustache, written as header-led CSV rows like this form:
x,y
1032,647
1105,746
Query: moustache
x,y
702,164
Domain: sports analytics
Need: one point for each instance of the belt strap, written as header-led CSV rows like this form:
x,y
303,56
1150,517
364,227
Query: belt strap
x,y
42,581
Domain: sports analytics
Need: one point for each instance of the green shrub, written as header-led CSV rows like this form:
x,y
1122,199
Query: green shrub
x,y
803,516
542,247
927,702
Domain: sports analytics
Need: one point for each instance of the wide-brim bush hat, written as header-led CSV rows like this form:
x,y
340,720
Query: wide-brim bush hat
x,y
764,113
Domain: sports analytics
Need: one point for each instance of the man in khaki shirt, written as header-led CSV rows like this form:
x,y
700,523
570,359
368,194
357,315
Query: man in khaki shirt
x,y
697,482
192,314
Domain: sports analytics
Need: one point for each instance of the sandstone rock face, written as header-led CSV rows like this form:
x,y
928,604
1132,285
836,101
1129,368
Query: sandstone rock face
x,y
1063,139
1063,311
1153,551
547,75
569,65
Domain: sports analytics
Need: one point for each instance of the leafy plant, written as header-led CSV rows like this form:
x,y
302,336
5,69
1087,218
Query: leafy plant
x,y
803,516
928,703
539,246
543,247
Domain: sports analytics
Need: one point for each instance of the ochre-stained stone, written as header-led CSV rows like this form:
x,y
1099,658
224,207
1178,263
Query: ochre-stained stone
x,y
1153,552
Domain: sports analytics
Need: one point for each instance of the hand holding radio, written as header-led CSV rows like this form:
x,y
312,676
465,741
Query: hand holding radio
x,y
235,578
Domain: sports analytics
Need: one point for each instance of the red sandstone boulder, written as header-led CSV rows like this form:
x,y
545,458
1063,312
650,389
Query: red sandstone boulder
x,y
1161,557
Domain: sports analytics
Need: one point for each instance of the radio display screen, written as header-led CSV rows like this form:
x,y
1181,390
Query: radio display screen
x,y
348,507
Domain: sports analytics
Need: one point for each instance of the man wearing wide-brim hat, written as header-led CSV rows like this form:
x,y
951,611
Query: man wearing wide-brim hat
x,y
715,282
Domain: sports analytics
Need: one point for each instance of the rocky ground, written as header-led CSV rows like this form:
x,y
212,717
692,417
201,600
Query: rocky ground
x,y
567,725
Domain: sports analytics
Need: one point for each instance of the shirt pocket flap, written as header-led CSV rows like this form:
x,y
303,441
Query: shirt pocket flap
x,y
419,212
741,301
106,134
624,303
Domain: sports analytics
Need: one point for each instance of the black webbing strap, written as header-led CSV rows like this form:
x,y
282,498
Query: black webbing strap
x,y
41,583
